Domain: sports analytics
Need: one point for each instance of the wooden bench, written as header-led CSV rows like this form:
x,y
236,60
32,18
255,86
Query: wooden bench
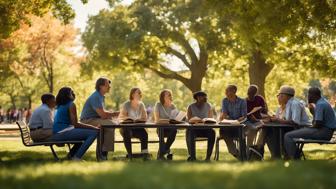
x,y
300,142
27,140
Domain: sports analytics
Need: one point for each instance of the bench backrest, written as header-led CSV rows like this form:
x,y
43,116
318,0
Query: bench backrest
x,y
25,133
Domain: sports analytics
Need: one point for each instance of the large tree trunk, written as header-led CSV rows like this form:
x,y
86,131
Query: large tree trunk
x,y
258,71
29,102
13,99
194,84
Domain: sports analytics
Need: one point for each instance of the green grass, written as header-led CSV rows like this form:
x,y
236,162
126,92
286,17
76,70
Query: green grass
x,y
22,167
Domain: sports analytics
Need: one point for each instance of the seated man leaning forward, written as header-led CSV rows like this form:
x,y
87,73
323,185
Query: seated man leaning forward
x,y
94,113
294,113
42,120
323,127
233,108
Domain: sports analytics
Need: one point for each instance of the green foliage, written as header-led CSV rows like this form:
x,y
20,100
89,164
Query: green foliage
x,y
15,12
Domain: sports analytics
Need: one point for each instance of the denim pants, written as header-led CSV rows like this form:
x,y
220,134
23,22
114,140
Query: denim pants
x,y
87,135
323,133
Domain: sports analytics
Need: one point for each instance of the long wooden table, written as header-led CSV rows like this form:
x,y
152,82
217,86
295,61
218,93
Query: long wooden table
x,y
160,128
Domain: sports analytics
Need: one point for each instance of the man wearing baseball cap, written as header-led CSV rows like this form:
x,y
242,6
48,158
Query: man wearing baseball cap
x,y
294,113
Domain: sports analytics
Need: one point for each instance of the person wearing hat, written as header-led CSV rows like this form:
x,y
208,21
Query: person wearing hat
x,y
295,112
202,109
233,108
324,123
291,111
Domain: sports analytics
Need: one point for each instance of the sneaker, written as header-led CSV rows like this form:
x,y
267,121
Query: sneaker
x,y
191,159
170,156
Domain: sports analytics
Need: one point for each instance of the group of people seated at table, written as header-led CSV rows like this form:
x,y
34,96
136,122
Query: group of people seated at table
x,y
251,111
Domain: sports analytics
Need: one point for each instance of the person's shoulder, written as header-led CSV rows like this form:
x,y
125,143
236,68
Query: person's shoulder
x,y
241,100
259,97
95,95
142,104
157,105
126,103
45,108
225,100
191,105
323,103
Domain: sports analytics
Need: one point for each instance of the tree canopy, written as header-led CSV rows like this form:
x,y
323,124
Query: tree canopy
x,y
16,12
212,34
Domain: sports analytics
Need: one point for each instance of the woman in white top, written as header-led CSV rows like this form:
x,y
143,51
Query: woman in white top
x,y
165,109
134,108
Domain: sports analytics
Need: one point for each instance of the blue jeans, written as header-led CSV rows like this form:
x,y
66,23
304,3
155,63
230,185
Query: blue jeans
x,y
78,150
322,133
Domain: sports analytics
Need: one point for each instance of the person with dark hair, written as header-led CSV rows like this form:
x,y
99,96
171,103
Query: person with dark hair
x,y
324,123
42,119
67,127
233,108
201,109
94,113
166,109
254,100
135,109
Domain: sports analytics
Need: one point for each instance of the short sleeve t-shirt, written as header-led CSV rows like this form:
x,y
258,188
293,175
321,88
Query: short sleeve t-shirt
x,y
325,113
235,109
258,101
95,101
201,112
165,112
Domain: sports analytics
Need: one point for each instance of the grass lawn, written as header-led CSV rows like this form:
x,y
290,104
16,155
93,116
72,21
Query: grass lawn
x,y
22,167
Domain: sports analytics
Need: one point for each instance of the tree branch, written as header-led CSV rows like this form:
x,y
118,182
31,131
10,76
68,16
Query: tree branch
x,y
166,73
179,55
180,39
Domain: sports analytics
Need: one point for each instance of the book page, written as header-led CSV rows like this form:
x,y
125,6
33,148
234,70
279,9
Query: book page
x,y
209,120
227,121
195,120
180,116
255,109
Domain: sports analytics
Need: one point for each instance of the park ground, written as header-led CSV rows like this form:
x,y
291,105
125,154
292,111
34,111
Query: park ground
x,y
34,167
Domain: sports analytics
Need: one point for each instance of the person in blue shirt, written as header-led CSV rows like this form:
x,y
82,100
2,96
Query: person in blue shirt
x,y
324,123
233,108
94,113
66,125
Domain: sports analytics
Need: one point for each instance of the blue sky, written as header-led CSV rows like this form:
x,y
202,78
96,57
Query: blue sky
x,y
83,11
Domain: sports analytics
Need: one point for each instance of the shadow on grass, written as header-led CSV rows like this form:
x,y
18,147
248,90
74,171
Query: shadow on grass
x,y
154,174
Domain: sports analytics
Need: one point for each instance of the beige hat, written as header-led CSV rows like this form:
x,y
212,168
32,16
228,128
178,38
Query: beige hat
x,y
285,89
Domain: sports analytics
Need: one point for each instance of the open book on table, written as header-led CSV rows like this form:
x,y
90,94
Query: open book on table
x,y
131,120
178,119
197,120
237,122
232,122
